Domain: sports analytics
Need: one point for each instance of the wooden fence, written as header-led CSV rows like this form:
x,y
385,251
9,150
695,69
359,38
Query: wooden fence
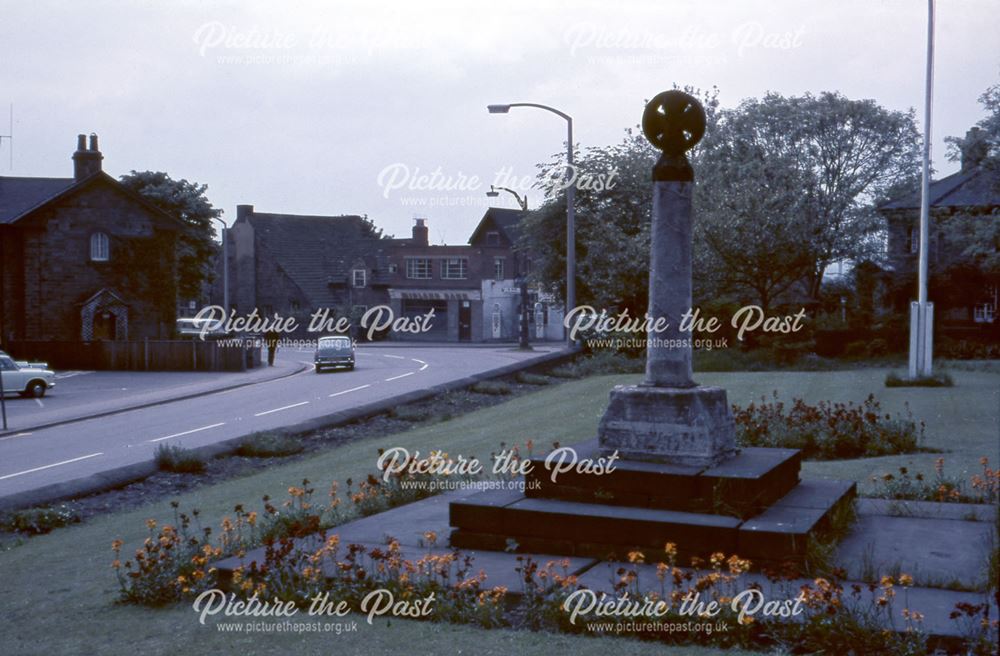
x,y
144,355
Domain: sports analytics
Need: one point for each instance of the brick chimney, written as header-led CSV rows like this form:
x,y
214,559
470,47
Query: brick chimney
x,y
974,149
86,161
420,232
243,212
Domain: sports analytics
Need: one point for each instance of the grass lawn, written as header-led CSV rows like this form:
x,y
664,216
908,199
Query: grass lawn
x,y
58,590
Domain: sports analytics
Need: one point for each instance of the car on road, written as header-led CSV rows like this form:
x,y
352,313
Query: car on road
x,y
25,378
334,351
192,327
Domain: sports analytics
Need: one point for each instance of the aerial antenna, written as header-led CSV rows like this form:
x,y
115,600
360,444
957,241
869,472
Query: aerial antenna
x,y
10,136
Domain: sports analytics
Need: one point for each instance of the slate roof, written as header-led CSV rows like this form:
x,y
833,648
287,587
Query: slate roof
x,y
315,251
977,186
19,195
506,220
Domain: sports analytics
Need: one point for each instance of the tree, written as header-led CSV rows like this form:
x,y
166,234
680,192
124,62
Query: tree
x,y
785,188
187,202
612,220
752,227
848,152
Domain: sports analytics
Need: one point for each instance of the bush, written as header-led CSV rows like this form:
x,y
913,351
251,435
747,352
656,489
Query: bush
x,y
942,379
828,431
268,445
36,521
526,378
410,413
491,387
173,458
858,349
878,347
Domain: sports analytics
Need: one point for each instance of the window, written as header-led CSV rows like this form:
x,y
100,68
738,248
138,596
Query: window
x,y
418,268
99,247
912,240
392,268
455,268
358,310
492,238
498,268
359,277
986,312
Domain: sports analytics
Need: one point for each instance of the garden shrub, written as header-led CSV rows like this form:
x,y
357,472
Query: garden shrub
x,y
941,379
492,387
36,521
173,458
268,445
827,431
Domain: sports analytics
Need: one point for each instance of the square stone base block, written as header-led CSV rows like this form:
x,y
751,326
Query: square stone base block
x,y
681,426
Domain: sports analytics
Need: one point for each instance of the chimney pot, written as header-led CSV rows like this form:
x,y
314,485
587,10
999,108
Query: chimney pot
x,y
243,212
420,231
86,162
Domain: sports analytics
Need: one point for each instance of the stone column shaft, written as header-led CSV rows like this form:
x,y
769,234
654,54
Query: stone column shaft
x,y
670,284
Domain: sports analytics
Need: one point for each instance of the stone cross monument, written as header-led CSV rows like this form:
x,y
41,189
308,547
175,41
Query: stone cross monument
x,y
668,417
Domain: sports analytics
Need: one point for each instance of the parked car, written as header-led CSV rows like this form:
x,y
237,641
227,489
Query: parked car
x,y
24,378
191,327
334,351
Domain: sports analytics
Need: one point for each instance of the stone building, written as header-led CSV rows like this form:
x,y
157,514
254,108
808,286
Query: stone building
x,y
296,265
293,264
973,191
84,258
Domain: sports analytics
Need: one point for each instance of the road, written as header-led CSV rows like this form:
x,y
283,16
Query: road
x,y
63,453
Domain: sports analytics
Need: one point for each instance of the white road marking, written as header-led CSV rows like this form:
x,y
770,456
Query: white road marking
x,y
284,407
193,430
39,402
397,357
408,373
416,360
353,389
55,464
70,374
424,367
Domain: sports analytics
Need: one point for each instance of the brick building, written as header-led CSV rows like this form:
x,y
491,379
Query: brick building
x,y
973,191
295,265
84,258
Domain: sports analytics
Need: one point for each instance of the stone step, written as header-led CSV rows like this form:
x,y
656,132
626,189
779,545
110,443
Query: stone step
x,y
742,486
782,532
510,520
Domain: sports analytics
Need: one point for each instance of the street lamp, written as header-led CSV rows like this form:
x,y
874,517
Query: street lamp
x,y
522,279
225,266
523,202
570,200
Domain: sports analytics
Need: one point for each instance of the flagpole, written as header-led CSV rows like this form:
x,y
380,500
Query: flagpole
x,y
922,313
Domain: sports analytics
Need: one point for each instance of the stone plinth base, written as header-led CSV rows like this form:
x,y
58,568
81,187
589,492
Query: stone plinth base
x,y
681,426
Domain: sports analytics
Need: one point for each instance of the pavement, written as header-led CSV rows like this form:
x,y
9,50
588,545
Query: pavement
x,y
89,394
116,443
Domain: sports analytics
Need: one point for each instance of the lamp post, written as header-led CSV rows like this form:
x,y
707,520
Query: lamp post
x,y
523,202
570,200
522,280
225,266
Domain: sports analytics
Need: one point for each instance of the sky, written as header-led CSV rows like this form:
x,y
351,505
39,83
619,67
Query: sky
x,y
379,108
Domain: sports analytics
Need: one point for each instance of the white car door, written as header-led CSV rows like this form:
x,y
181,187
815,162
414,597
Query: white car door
x,y
13,379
